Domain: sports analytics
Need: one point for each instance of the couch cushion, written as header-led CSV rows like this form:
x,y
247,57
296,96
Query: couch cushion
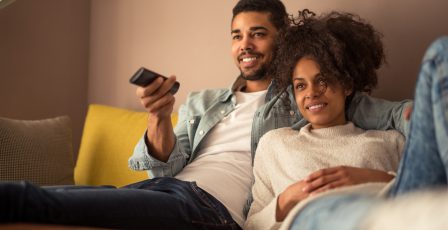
x,y
109,137
39,151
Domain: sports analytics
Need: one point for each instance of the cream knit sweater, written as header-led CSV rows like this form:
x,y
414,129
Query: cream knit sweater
x,y
285,156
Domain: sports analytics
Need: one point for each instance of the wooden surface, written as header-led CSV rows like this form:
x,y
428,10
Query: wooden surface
x,y
42,227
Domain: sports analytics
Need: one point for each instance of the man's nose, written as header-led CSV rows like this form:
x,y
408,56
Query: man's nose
x,y
246,44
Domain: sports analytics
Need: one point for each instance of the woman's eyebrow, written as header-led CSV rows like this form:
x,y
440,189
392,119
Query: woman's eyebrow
x,y
297,78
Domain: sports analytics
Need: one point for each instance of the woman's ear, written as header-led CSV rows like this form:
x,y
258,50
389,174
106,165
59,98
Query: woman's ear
x,y
348,92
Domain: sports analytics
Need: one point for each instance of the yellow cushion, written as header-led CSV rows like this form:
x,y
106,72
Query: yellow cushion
x,y
109,137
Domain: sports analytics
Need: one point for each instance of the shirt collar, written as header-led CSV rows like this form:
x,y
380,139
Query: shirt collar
x,y
240,83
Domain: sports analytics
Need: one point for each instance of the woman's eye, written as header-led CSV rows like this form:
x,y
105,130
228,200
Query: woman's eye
x,y
323,85
300,86
322,82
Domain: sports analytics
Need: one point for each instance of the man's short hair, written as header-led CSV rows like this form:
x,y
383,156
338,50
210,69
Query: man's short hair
x,y
278,15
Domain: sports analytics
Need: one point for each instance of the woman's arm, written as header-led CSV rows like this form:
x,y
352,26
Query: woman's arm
x,y
265,205
289,198
335,177
262,210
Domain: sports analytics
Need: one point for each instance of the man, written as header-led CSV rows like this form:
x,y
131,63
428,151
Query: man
x,y
214,129
209,153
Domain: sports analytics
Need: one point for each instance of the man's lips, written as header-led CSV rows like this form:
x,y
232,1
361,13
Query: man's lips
x,y
248,60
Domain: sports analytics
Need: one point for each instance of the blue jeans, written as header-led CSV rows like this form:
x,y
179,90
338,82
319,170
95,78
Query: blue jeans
x,y
425,159
159,203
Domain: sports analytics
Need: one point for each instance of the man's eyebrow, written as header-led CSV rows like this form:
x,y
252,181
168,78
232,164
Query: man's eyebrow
x,y
258,28
236,31
254,28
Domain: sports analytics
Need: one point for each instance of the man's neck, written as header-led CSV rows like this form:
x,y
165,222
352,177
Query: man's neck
x,y
258,85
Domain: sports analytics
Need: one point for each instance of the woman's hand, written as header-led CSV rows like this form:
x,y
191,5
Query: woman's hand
x,y
292,195
323,180
330,178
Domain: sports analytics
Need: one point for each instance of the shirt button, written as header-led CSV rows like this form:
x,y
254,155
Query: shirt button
x,y
291,112
222,111
201,132
191,121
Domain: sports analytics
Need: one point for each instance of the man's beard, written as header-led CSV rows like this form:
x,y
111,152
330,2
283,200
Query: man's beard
x,y
258,75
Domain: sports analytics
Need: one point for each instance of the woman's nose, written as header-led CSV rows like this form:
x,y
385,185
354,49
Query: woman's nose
x,y
315,91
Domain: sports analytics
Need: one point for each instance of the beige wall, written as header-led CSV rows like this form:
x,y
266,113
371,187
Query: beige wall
x,y
191,39
187,38
408,26
45,56
44,59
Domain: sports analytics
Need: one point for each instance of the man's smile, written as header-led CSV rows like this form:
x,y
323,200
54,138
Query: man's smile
x,y
249,60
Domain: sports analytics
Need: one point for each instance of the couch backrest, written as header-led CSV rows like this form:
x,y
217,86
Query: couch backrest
x,y
109,137
38,151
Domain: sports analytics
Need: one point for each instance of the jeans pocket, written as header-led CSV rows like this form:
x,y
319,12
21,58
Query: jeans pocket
x,y
214,206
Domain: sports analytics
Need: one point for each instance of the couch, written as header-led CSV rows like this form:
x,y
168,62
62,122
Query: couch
x,y
40,151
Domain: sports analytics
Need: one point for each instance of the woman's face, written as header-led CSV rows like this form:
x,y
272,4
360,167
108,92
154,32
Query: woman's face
x,y
321,102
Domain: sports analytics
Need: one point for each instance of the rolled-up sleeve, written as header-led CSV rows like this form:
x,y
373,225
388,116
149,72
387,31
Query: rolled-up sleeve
x,y
143,160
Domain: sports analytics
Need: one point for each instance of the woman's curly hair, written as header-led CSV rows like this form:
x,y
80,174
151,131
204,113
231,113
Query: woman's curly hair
x,y
347,49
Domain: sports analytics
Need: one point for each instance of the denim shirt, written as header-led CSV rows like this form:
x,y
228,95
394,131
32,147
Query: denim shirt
x,y
200,113
203,110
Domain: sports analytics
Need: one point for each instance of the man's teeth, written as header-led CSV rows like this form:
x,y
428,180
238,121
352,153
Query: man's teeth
x,y
316,106
249,59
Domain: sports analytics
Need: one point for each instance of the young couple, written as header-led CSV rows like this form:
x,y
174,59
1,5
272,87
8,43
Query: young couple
x,y
203,169
327,59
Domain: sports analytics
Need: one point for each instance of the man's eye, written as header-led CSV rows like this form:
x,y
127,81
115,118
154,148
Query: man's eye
x,y
236,37
259,34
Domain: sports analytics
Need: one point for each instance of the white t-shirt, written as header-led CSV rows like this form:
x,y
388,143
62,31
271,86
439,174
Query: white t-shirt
x,y
223,165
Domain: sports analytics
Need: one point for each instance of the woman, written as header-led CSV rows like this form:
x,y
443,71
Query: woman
x,y
326,59
424,167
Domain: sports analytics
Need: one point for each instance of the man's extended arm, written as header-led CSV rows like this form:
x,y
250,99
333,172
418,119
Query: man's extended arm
x,y
373,113
159,150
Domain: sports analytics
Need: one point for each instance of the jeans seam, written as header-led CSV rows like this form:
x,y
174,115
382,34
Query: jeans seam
x,y
202,196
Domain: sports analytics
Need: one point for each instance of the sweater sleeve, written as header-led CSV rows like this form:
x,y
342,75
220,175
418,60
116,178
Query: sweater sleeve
x,y
262,211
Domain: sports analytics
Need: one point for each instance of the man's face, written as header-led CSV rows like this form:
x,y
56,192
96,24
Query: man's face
x,y
253,38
